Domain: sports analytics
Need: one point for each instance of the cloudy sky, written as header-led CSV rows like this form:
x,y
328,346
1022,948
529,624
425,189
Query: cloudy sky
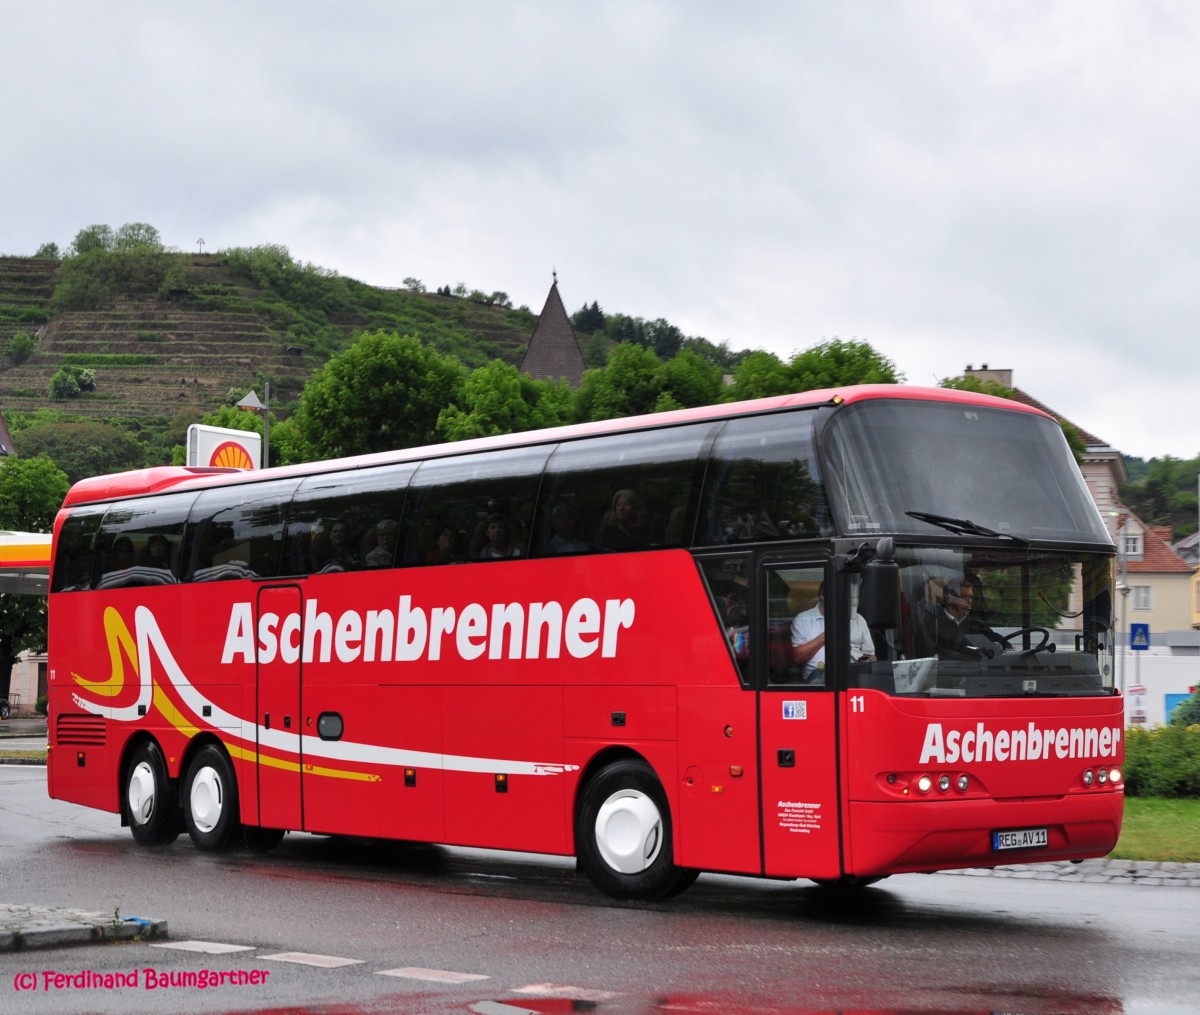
x,y
1010,183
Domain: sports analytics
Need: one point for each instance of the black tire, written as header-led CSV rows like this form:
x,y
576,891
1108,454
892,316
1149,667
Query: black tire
x,y
210,800
261,840
4,710
623,834
148,802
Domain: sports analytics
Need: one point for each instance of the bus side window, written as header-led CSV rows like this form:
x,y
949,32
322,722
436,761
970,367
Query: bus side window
x,y
762,483
461,494
625,493
356,503
795,617
138,542
728,581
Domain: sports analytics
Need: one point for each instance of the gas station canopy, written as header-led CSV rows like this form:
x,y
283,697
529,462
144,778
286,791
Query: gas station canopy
x,y
24,562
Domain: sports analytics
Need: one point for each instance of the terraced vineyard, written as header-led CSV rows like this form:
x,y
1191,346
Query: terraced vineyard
x,y
182,351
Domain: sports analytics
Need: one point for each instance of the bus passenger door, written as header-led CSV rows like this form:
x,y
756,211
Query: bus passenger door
x,y
797,723
277,713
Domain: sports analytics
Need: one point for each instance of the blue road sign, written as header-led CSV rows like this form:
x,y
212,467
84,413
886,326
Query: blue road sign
x,y
1139,637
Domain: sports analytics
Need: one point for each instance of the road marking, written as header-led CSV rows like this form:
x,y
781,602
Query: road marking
x,y
308,959
207,947
564,990
432,975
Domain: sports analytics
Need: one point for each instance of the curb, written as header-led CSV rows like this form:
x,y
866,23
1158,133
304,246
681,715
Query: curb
x,y
26,928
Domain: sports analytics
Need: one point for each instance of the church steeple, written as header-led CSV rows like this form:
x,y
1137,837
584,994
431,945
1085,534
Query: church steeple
x,y
553,350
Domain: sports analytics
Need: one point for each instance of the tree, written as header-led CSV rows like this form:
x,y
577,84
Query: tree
x,y
588,320
92,239
413,284
760,375
48,251
499,399
691,380
628,386
139,236
664,338
83,448
837,362
1166,493
384,392
31,491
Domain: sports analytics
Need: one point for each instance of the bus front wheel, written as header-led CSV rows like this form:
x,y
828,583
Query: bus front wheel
x,y
210,803
623,834
148,800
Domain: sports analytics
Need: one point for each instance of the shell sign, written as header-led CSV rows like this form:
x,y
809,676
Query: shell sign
x,y
224,448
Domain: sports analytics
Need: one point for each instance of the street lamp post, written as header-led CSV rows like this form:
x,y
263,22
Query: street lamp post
x,y
251,404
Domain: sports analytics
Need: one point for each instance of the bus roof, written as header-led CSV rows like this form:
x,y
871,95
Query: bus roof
x,y
140,482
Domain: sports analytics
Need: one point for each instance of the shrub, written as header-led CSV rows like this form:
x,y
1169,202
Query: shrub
x,y
70,381
63,385
1187,713
1163,762
21,347
43,704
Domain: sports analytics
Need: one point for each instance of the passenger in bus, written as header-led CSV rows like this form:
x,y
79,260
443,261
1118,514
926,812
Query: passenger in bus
x,y
808,641
120,555
498,545
78,571
751,523
333,551
445,548
384,552
563,535
156,553
623,527
949,631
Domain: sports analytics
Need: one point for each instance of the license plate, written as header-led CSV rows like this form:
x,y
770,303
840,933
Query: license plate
x,y
1022,838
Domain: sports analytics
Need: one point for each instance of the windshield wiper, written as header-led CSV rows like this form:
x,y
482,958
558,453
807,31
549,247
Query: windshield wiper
x,y
963,526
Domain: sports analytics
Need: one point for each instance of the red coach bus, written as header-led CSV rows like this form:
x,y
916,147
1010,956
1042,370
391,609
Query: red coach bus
x,y
834,635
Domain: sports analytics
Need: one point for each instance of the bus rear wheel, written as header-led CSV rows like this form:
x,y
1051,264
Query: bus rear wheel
x,y
148,800
623,834
210,801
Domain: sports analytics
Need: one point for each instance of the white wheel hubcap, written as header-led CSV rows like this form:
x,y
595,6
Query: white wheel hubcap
x,y
207,800
629,831
141,793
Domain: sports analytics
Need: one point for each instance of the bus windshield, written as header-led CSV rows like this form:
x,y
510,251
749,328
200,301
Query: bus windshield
x,y
997,623
926,468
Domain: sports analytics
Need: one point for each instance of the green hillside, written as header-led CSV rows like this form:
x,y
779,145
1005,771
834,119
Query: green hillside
x,y
170,335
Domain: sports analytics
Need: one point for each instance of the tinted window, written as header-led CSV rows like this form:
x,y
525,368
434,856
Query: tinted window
x,y
624,492
237,531
1008,471
475,507
139,541
762,482
336,520
75,551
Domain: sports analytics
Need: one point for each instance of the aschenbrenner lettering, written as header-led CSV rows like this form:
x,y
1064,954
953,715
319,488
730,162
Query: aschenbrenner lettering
x,y
1028,743
408,633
